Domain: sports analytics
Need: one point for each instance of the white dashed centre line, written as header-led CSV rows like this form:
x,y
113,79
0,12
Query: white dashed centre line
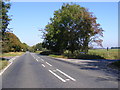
x,y
43,65
37,60
57,76
42,59
66,75
48,64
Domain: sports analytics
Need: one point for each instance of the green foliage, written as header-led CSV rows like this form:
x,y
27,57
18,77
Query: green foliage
x,y
38,47
4,18
3,64
72,28
110,54
11,54
49,52
12,43
46,53
78,55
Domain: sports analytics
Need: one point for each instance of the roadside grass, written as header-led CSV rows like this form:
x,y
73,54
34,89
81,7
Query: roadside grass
x,y
3,64
110,54
11,54
58,56
38,52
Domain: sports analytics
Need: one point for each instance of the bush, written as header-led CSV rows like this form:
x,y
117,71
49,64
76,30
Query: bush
x,y
116,64
78,55
49,52
2,59
46,53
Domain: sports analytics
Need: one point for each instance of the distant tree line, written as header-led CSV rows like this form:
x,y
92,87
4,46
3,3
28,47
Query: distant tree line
x,y
115,47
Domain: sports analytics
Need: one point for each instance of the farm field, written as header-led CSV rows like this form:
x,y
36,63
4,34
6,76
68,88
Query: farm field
x,y
110,54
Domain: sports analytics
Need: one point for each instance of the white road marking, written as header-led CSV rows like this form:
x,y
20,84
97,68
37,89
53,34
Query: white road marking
x,y
67,79
43,65
11,61
33,57
54,70
37,60
42,59
5,69
48,64
57,76
66,75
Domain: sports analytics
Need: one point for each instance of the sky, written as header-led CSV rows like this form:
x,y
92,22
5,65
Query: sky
x,y
29,17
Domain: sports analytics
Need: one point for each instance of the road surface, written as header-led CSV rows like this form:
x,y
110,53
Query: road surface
x,y
36,71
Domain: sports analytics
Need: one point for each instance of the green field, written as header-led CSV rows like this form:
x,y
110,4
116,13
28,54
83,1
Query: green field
x,y
110,54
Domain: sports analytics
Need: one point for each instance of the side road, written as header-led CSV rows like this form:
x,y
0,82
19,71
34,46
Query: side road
x,y
92,64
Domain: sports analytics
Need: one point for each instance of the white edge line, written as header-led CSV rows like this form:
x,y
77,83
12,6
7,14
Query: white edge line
x,y
49,64
5,68
11,61
43,65
57,76
66,75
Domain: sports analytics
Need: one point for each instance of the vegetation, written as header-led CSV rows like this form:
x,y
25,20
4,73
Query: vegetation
x,y
13,44
4,18
116,64
72,28
110,54
38,47
11,54
92,54
3,64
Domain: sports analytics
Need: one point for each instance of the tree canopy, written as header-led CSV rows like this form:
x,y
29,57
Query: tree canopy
x,y
4,17
72,28
13,44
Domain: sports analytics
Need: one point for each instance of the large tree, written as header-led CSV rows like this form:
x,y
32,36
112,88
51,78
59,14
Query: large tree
x,y
4,17
4,22
72,28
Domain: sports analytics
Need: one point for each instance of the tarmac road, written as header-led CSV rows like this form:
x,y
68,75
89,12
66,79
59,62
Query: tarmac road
x,y
36,71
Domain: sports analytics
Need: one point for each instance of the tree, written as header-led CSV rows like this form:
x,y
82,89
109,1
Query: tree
x,y
4,21
4,18
72,28
13,44
38,46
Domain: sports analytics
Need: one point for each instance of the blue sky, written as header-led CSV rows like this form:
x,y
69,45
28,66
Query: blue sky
x,y
29,17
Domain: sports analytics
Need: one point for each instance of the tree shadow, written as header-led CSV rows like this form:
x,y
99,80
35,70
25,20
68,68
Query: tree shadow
x,y
102,65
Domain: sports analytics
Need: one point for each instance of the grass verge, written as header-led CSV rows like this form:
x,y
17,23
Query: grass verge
x,y
110,54
3,64
11,54
58,56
